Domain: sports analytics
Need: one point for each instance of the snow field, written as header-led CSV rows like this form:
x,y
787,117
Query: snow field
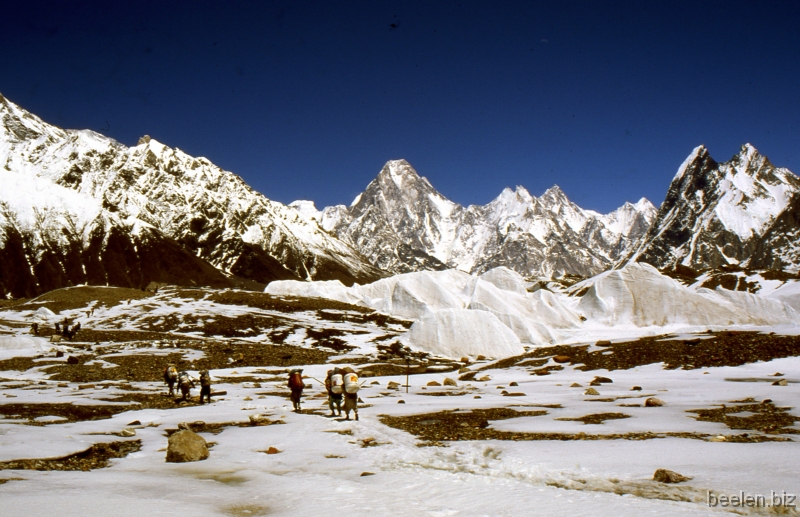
x,y
319,469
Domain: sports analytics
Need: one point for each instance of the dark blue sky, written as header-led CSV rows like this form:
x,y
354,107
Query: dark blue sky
x,y
307,100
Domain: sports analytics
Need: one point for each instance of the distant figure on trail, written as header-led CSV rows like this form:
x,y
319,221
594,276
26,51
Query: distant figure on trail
x,y
205,386
170,378
350,392
186,384
58,329
333,383
35,329
296,384
71,333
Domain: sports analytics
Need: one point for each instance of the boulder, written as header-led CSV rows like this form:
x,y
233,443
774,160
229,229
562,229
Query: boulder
x,y
449,382
782,382
591,391
600,379
562,358
669,476
575,385
636,388
185,446
434,383
72,360
392,385
654,402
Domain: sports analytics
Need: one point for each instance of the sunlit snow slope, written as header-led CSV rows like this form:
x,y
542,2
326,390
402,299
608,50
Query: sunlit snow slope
x,y
78,207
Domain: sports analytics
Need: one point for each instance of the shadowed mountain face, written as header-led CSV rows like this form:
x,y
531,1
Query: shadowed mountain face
x,y
743,211
78,207
403,224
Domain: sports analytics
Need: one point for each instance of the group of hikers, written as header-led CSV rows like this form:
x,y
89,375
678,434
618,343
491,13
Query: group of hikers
x,y
185,383
341,384
62,329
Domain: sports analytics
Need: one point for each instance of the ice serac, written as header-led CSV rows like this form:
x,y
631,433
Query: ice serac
x,y
328,289
638,295
459,332
79,207
738,212
403,224
458,314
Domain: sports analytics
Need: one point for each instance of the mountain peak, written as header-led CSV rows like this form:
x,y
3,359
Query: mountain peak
x,y
554,196
399,172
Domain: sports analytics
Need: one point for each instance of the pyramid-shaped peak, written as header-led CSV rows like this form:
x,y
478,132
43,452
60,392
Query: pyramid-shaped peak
x,y
400,173
554,195
398,168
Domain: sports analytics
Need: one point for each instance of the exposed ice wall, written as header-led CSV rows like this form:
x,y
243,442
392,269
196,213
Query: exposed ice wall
x,y
458,314
640,296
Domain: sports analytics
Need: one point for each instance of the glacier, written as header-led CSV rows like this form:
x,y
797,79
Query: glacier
x,y
457,314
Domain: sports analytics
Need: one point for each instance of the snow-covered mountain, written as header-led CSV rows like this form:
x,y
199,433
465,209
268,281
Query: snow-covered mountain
x,y
402,224
744,211
76,207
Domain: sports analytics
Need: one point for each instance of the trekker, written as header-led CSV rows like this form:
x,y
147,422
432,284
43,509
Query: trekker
x,y
186,384
333,383
296,384
350,393
205,386
170,378
35,329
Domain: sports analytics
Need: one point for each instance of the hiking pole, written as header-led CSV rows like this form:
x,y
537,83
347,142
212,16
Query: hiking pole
x,y
408,371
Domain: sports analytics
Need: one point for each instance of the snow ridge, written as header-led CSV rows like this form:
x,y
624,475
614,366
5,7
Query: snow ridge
x,y
69,183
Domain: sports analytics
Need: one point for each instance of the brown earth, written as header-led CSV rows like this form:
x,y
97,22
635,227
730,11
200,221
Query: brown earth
x,y
722,349
436,428
596,418
95,457
766,417
72,412
69,298
150,367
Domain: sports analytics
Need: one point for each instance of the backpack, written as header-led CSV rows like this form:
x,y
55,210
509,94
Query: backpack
x,y
296,381
336,383
351,383
171,373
